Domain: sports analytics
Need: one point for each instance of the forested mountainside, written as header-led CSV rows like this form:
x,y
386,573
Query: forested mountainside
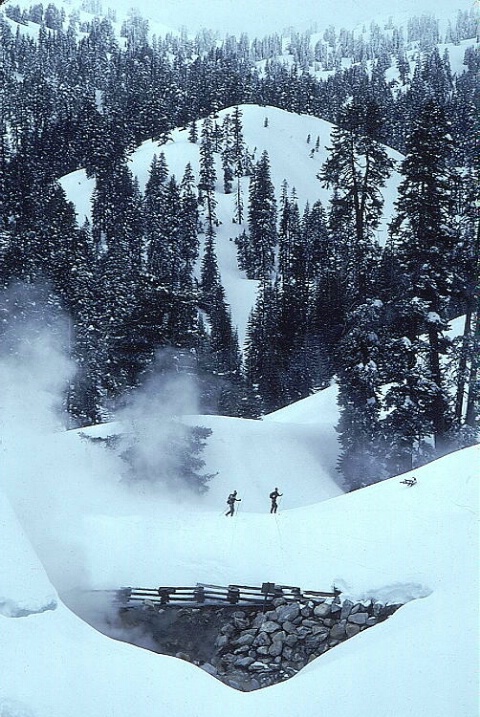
x,y
80,90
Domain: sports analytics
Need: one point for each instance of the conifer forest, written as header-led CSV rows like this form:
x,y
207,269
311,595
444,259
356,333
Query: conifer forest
x,y
136,289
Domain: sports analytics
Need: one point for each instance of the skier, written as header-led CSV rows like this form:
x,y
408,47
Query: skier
x,y
273,497
231,500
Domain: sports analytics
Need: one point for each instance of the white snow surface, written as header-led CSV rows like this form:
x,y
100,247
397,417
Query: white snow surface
x,y
387,542
24,586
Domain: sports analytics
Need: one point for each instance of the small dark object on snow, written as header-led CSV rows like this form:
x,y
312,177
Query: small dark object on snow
x,y
231,500
409,481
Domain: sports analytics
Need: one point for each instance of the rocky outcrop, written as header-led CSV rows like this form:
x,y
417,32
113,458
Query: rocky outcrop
x,y
265,648
248,648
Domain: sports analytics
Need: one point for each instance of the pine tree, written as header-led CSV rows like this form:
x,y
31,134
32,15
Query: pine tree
x,y
357,169
359,380
208,174
189,243
262,370
154,213
259,255
296,356
423,243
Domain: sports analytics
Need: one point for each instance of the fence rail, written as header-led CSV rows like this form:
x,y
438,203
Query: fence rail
x,y
206,594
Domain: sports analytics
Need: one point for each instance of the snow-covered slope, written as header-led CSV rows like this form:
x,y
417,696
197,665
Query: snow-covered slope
x,y
88,529
391,542
24,586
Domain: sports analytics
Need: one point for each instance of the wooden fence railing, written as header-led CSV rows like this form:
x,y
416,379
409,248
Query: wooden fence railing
x,y
205,594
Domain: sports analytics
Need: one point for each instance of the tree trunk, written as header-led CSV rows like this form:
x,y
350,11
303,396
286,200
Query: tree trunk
x,y
439,418
465,354
473,389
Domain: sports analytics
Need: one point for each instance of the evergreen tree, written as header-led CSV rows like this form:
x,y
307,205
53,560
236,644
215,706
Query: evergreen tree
x,y
357,169
258,256
208,174
359,380
262,370
423,243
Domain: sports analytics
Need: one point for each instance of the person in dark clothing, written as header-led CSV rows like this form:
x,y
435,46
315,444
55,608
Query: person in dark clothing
x,y
273,497
231,500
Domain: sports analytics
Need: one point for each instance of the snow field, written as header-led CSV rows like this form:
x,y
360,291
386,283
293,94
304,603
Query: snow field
x,y
387,542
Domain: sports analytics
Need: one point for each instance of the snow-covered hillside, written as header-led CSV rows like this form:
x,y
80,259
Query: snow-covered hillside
x,y
418,545
285,140
84,528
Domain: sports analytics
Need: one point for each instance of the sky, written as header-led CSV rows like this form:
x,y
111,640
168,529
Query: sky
x,y
235,16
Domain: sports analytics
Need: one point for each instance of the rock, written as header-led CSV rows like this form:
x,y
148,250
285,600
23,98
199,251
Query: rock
x,y
305,611
257,666
291,640
279,636
261,640
287,652
302,632
288,626
352,630
335,608
314,642
241,650
270,615
207,667
322,632
227,630
298,658
258,620
263,650
221,642
240,623
279,601
240,614
328,622
360,618
244,639
269,626
244,662
227,660
237,683
287,613
309,623
346,609
371,621
322,610
275,649
337,632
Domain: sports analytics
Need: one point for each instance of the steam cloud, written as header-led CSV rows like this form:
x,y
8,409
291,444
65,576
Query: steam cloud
x,y
55,481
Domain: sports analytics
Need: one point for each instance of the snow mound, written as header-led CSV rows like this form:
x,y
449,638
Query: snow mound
x,y
24,586
320,408
253,457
